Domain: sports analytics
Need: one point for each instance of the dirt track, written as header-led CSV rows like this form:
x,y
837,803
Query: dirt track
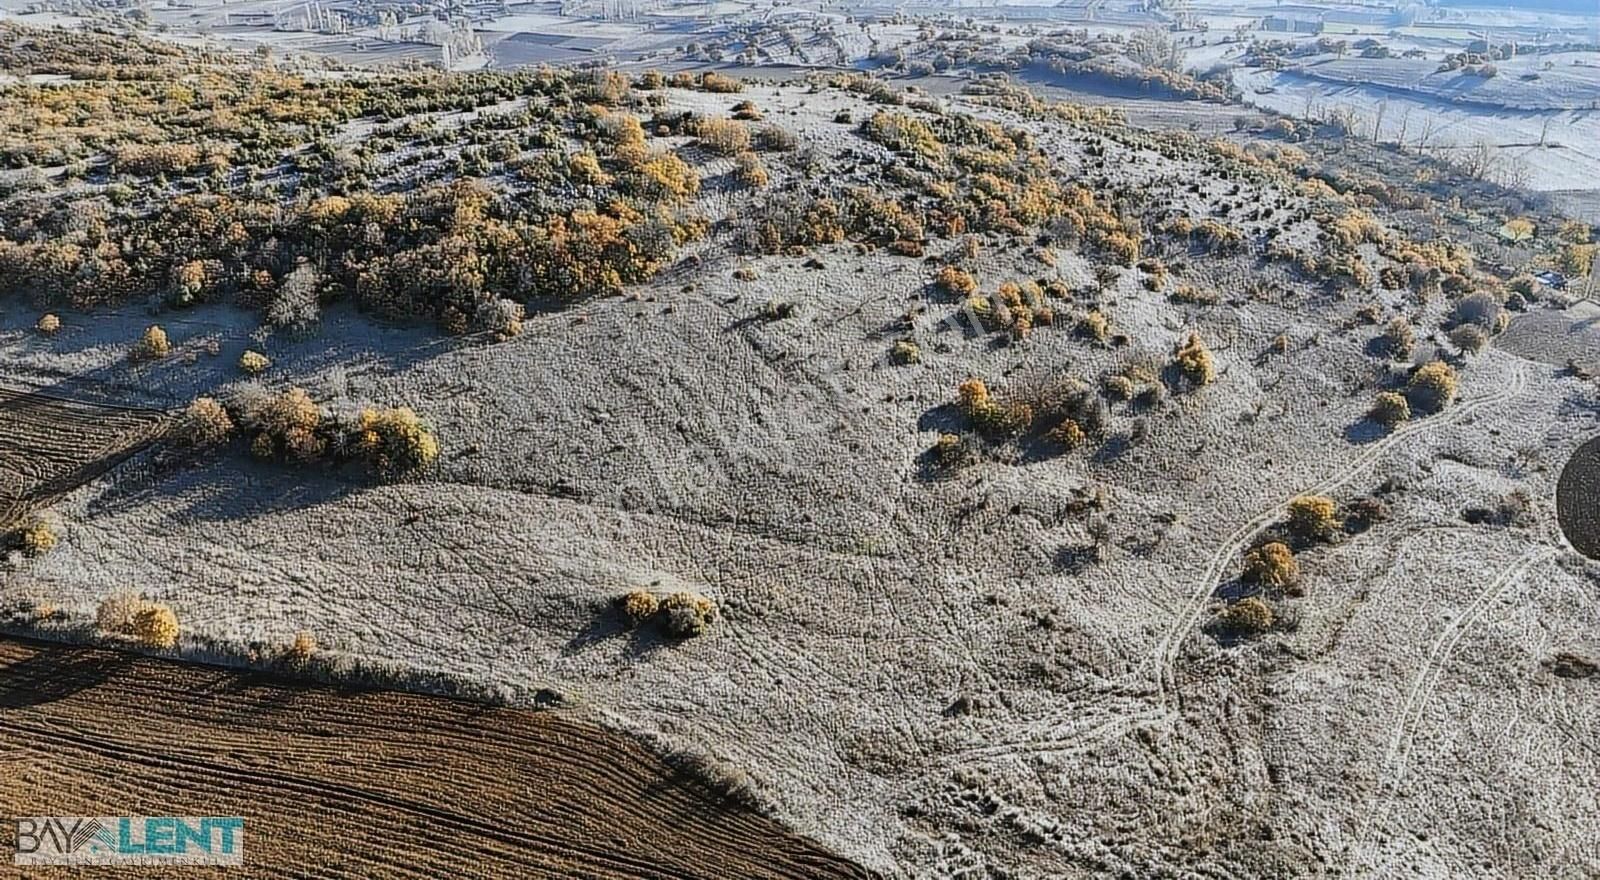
x,y
364,785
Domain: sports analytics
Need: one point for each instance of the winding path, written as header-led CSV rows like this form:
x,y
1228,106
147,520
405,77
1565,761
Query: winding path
x,y
1195,605
1398,755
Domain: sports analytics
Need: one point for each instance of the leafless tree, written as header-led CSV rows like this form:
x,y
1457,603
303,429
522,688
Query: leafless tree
x,y
296,306
1153,47
1479,160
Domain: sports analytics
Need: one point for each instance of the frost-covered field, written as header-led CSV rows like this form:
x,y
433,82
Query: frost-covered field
x,y
1005,671
1569,160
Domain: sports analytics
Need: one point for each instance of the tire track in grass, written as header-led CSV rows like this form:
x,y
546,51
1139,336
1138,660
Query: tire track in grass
x,y
1166,656
1402,738
1084,737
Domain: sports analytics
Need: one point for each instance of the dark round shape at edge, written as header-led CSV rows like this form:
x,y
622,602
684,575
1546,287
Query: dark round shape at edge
x,y
1578,499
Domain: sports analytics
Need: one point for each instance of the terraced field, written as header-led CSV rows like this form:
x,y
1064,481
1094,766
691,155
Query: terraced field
x,y
54,444
364,785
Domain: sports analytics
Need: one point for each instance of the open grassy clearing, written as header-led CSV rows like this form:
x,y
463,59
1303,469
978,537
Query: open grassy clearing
x,y
1007,489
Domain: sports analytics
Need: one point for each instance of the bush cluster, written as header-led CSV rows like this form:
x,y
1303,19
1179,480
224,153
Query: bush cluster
x,y
1390,409
151,624
152,345
993,418
34,537
205,422
1248,616
680,614
1272,565
395,441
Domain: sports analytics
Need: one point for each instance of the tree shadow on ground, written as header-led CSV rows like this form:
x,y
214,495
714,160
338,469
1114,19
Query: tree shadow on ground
x,y
609,625
1235,588
1365,431
229,488
56,673
946,418
344,337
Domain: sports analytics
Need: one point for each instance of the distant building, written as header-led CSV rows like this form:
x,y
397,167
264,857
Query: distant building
x,y
1283,24
1552,280
1387,17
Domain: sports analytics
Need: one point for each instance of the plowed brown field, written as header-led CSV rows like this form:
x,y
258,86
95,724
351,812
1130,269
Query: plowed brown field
x,y
52,445
362,784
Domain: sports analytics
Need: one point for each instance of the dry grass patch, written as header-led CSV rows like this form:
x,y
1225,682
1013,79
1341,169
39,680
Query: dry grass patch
x,y
1194,361
1389,409
395,441
1248,616
1313,517
1272,565
685,614
152,345
638,607
151,624
205,423
35,537
301,650
1433,386
725,137
253,363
